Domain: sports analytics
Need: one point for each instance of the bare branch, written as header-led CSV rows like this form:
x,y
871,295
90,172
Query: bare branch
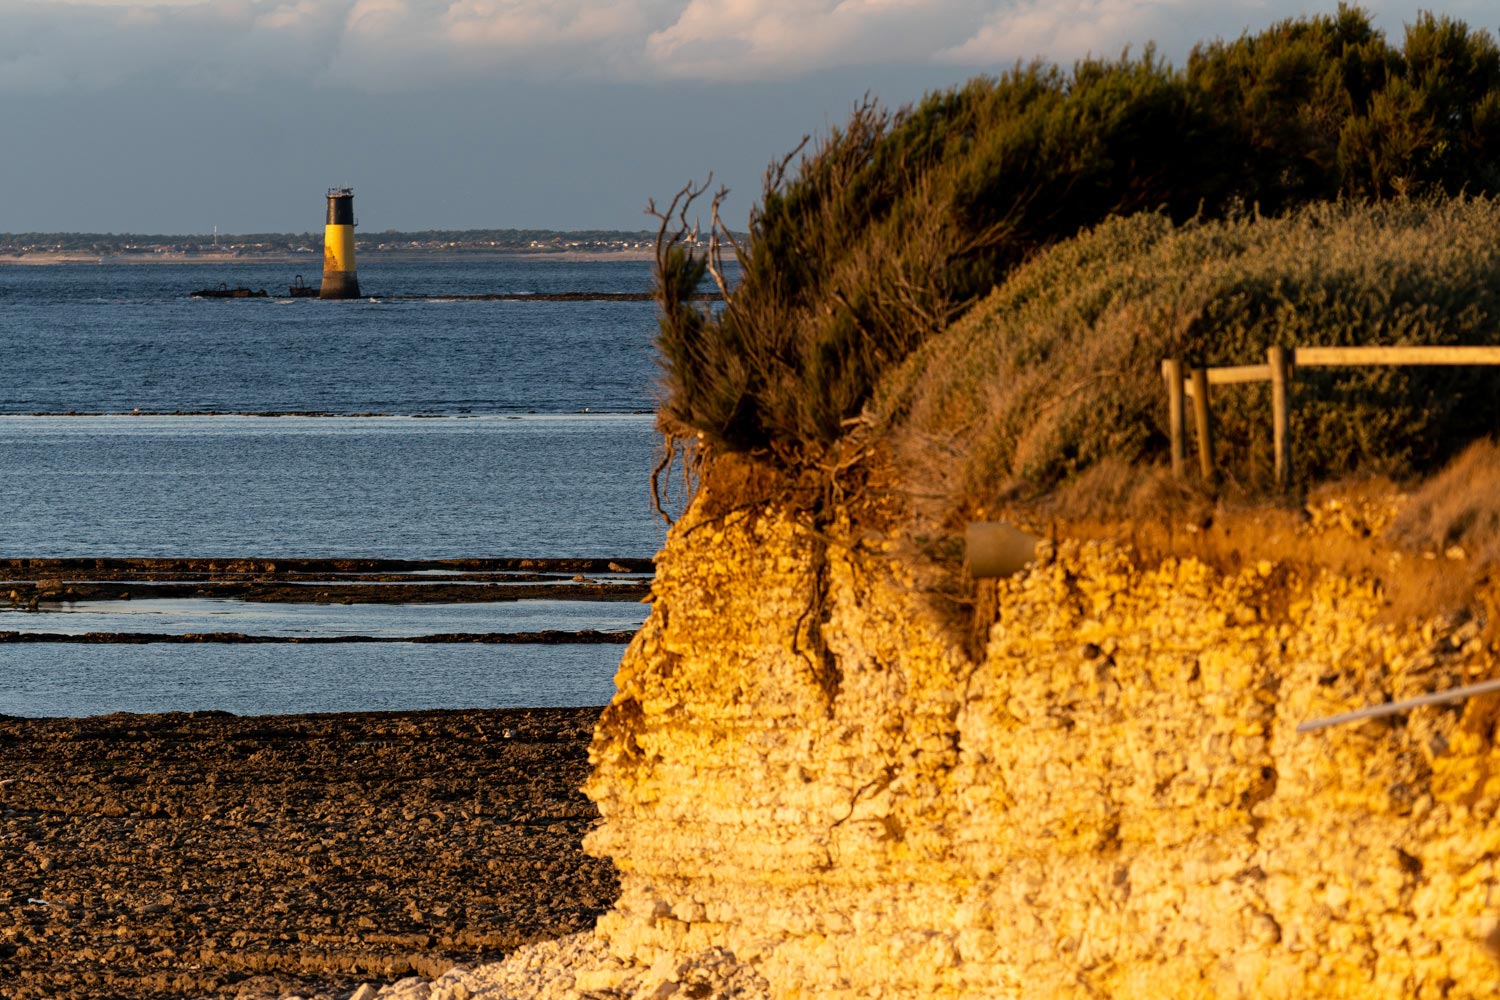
x,y
668,234
717,232
675,447
776,172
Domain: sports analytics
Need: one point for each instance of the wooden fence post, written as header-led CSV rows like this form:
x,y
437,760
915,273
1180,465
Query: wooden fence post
x,y
1171,370
1199,379
1276,359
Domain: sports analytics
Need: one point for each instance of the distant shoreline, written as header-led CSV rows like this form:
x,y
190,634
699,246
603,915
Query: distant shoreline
x,y
314,262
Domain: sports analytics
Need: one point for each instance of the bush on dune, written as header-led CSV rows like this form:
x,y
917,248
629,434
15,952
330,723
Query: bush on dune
x,y
896,224
1058,371
892,228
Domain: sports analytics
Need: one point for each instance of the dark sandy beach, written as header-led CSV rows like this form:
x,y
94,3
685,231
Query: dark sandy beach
x,y
212,855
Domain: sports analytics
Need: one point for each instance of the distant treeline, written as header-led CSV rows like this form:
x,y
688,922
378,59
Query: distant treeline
x,y
540,240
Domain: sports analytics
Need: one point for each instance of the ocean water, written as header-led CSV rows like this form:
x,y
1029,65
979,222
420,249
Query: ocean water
x,y
71,681
176,616
121,337
445,429
388,487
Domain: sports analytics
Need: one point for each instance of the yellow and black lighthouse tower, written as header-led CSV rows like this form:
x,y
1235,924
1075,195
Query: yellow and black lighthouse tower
x,y
340,281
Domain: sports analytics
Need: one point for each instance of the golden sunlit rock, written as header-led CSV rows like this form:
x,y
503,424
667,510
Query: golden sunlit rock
x,y
1111,802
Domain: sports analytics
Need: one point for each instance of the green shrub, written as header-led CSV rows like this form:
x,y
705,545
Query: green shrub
x,y
1058,371
897,223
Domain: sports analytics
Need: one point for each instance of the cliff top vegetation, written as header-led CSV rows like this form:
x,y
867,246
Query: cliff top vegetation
x,y
1052,382
1224,206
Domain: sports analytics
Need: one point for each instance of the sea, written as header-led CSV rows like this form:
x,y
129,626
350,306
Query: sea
x,y
137,420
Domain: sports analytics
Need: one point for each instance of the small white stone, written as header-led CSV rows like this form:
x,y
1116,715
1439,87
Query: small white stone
x,y
410,988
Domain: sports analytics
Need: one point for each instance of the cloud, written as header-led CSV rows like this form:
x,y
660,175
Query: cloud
x,y
1065,30
761,38
394,45
225,45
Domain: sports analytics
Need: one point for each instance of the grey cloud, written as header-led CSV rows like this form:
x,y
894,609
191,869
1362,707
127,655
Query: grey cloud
x,y
728,40
50,48
1065,30
396,45
391,44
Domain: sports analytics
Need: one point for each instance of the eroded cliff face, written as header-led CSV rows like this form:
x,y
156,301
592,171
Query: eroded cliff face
x,y
802,766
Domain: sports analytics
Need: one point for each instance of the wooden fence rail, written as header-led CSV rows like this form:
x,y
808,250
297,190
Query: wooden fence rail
x,y
1281,364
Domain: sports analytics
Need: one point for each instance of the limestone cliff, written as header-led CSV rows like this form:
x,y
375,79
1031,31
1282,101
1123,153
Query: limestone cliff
x,y
803,766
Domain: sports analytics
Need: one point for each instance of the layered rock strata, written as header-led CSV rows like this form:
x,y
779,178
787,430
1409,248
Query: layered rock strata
x,y
804,768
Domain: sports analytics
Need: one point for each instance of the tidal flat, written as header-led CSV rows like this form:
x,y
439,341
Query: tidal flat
x,y
212,855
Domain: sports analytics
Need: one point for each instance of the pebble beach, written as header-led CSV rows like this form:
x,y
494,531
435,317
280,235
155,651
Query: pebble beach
x,y
211,855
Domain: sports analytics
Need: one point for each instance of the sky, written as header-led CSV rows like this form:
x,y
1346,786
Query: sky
x,y
176,116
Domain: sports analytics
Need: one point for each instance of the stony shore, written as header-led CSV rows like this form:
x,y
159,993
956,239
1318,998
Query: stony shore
x,y
209,855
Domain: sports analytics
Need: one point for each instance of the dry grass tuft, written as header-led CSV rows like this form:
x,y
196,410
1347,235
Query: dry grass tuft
x,y
1052,385
1457,512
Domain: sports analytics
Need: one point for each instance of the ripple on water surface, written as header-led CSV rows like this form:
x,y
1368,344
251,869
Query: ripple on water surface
x,y
74,680
178,616
393,487
114,338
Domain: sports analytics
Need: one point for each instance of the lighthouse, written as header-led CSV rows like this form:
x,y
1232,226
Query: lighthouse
x,y
340,281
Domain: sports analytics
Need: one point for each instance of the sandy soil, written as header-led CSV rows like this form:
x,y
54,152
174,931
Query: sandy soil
x,y
211,855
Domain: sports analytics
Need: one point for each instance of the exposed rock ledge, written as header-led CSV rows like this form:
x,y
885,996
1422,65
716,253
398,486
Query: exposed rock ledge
x,y
1111,803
